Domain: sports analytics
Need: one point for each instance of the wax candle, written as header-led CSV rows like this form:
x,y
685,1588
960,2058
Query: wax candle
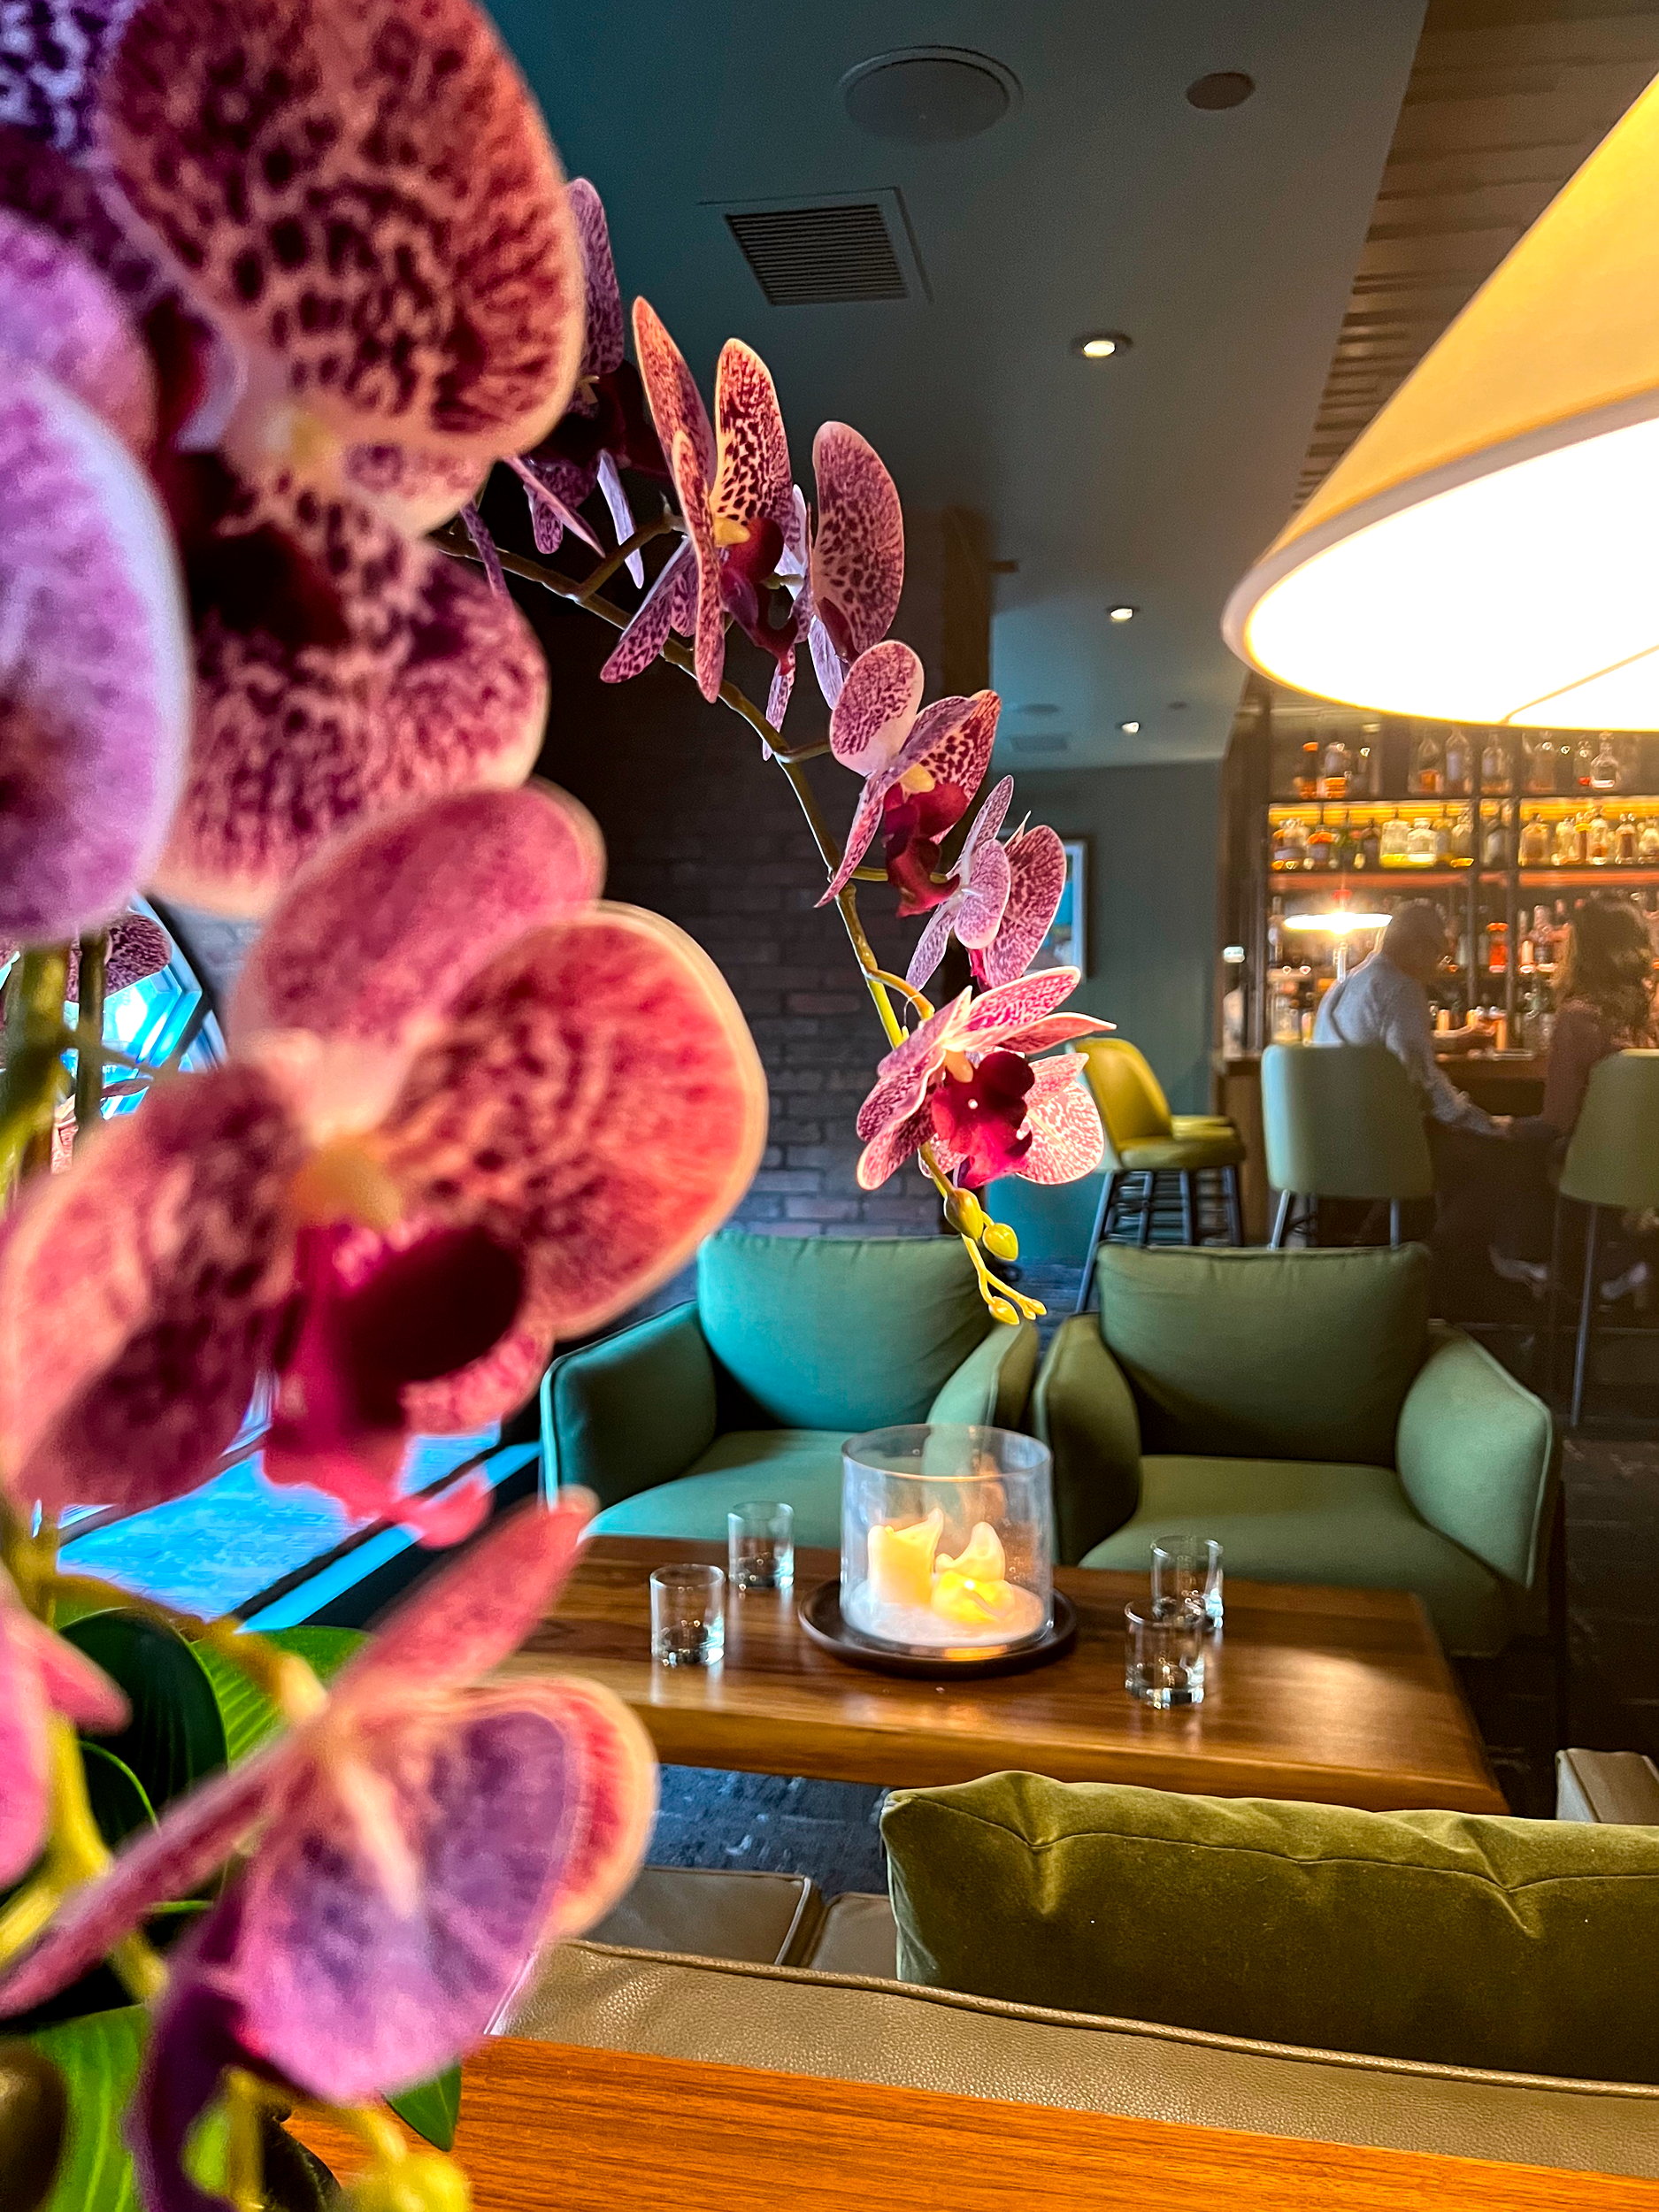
x,y
971,1587
901,1562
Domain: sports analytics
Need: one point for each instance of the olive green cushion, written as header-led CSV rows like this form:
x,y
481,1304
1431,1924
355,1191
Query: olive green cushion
x,y
1212,1147
797,1467
1517,1945
848,1334
1308,1521
1267,1354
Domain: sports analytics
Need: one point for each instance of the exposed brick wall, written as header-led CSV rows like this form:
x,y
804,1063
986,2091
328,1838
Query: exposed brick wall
x,y
700,828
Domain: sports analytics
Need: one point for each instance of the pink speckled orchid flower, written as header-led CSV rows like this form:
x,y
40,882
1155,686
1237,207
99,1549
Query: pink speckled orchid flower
x,y
376,218
466,1109
1017,1019
1004,903
921,769
40,1675
421,1841
607,426
1010,1116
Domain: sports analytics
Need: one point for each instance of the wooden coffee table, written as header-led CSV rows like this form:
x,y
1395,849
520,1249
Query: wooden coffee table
x,y
1339,1696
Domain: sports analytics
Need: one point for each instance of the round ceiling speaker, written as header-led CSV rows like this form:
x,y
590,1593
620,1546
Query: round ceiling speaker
x,y
1222,88
925,95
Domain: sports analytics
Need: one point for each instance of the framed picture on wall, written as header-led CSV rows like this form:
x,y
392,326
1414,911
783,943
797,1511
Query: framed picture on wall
x,y
1066,945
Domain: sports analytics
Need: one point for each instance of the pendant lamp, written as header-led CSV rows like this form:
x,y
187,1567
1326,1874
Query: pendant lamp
x,y
1488,551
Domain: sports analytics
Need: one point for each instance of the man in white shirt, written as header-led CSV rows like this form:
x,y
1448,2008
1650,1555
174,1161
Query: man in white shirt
x,y
1383,1002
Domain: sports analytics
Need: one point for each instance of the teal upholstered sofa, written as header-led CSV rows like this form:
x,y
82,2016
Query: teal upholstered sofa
x,y
1301,1407
791,1346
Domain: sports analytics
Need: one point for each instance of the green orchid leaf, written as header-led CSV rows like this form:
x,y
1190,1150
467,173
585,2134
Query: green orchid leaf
x,y
432,2108
247,1714
97,2056
175,1738
33,2120
119,1801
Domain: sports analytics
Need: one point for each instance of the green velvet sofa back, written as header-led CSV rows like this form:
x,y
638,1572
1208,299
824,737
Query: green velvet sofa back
x,y
1259,1354
1519,1946
832,1332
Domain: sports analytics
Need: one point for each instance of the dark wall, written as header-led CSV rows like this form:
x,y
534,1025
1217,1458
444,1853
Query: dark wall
x,y
1151,947
700,828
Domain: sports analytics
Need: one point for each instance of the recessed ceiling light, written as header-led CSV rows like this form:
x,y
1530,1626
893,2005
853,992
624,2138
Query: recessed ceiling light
x,y
1121,614
1099,345
1129,729
1222,88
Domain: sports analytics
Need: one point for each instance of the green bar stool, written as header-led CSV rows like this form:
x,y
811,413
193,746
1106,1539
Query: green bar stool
x,y
1145,1142
1342,1121
1612,1160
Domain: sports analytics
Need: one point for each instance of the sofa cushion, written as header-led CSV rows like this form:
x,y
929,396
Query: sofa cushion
x,y
1449,1938
848,1334
1269,1355
746,1913
797,1467
1299,1520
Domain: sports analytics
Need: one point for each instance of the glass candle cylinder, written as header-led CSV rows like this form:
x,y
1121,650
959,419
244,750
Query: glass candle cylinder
x,y
947,1537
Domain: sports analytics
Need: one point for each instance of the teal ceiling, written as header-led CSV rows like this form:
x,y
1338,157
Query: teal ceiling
x,y
1224,243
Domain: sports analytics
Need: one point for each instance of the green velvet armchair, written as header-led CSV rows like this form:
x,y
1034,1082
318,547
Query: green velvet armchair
x,y
791,1346
1301,1408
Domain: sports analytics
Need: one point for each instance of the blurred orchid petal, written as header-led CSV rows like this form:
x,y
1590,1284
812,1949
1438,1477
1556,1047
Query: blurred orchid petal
x,y
39,1674
95,681
57,312
414,491
484,546
141,1296
406,676
451,318
602,321
50,57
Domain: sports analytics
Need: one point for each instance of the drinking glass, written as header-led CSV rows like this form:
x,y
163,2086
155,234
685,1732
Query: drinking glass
x,y
1186,1570
760,1546
1164,1654
687,1617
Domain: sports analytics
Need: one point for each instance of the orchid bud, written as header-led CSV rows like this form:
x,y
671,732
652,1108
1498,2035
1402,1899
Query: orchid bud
x,y
1000,1240
424,2181
964,1213
1001,1310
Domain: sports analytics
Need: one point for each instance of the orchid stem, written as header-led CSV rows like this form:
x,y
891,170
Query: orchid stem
x,y
245,2101
90,1032
34,1070
923,1006
664,525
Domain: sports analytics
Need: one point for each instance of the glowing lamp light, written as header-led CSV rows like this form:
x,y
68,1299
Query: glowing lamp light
x,y
1485,552
1341,924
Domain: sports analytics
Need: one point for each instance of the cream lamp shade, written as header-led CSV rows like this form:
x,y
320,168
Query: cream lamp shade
x,y
1488,551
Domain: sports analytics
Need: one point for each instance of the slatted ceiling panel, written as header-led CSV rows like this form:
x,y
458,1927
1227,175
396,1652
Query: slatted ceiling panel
x,y
1500,109
811,255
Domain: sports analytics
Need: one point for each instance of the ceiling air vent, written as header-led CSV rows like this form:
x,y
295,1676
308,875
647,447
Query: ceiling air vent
x,y
830,248
1040,741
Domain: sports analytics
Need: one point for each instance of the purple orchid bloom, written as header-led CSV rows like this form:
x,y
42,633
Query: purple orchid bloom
x,y
40,1675
896,1119
466,1109
921,769
1004,902
607,426
421,1837
1017,1116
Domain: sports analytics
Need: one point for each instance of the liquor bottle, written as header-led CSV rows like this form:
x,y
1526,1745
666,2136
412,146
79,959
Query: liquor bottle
x,y
1333,769
1494,846
1456,760
1627,839
1461,846
1535,842
1421,844
1346,857
1368,761
1321,846
1541,764
1307,776
1606,772
1648,843
1583,761
1392,846
1290,844
1566,850
1428,765
1496,779
1497,947
1600,842
1369,852
1442,840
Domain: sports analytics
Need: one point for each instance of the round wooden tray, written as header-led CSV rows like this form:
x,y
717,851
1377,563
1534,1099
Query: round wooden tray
x,y
820,1612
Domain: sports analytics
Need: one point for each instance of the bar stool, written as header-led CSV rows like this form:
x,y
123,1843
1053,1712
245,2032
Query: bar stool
x,y
1342,1121
1612,1160
1145,1142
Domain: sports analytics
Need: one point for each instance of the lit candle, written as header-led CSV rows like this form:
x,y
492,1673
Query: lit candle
x,y
901,1561
971,1587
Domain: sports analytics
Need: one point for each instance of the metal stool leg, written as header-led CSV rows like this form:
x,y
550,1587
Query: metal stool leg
x,y
1189,1212
1144,1234
1394,1221
1586,1318
1552,1308
1103,1224
1235,1211
1281,1222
